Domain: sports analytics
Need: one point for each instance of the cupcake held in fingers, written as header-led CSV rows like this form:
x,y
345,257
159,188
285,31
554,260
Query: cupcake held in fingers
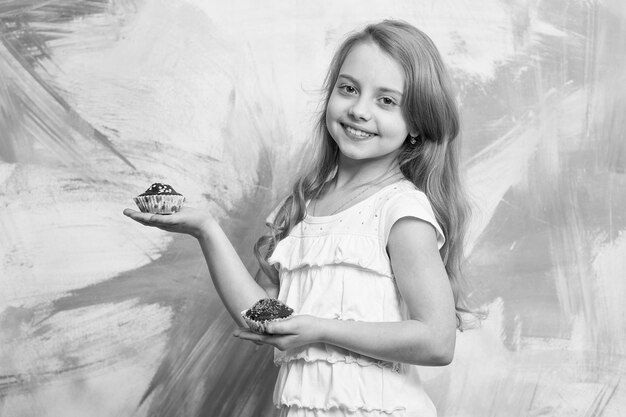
x,y
265,311
160,199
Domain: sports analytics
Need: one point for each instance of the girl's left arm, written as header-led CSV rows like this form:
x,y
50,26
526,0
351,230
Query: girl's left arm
x,y
427,338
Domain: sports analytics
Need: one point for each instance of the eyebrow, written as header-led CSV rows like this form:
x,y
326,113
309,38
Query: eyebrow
x,y
384,89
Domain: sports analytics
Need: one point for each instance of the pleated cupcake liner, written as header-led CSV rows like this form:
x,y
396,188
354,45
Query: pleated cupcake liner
x,y
160,203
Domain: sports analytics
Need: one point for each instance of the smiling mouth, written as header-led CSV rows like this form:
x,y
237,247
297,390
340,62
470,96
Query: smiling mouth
x,y
356,133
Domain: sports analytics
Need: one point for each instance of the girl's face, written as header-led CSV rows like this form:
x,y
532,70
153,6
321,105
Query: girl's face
x,y
364,114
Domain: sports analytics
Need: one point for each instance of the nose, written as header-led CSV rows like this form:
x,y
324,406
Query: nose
x,y
359,109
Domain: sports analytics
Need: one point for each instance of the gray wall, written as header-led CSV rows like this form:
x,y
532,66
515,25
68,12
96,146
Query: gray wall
x,y
102,317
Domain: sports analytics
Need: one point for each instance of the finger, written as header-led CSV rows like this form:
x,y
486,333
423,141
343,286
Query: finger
x,y
237,334
240,330
138,216
144,222
150,219
256,340
279,328
272,328
131,213
253,337
163,219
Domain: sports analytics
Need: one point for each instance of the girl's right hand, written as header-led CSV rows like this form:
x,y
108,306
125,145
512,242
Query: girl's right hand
x,y
188,220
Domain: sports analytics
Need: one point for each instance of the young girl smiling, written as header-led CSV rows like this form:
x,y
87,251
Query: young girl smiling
x,y
367,247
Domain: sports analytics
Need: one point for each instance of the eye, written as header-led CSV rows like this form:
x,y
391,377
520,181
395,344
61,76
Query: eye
x,y
347,89
388,101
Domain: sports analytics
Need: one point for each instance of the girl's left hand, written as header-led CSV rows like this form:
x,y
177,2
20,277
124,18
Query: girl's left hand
x,y
287,334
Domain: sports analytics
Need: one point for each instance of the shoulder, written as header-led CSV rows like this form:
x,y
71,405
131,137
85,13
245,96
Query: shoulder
x,y
406,192
271,218
405,201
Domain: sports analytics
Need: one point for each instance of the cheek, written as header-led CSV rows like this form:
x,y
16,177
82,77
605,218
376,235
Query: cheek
x,y
403,130
395,126
333,112
332,108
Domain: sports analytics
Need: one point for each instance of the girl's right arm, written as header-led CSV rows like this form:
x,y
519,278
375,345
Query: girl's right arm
x,y
234,284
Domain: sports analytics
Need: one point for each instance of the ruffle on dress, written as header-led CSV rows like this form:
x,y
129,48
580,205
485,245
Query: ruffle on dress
x,y
331,354
286,411
340,292
338,386
361,251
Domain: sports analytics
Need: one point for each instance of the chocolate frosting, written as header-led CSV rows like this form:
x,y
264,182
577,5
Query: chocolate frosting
x,y
269,309
160,189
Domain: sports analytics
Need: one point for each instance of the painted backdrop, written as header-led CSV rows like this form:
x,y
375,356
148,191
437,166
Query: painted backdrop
x,y
98,99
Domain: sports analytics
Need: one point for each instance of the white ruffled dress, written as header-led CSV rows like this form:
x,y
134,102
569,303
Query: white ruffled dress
x,y
337,267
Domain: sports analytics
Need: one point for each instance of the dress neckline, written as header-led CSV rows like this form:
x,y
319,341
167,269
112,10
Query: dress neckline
x,y
321,219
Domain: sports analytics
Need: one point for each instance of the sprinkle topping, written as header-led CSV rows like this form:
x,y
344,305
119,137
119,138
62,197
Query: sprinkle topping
x,y
160,189
268,309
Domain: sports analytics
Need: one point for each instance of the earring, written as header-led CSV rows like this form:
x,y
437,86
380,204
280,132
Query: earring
x,y
413,140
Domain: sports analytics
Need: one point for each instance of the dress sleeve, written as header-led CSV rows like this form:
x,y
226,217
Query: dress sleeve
x,y
409,204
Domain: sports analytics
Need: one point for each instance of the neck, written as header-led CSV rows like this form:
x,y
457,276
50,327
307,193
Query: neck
x,y
352,173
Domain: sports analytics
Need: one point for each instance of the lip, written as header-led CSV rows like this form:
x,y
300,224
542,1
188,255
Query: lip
x,y
345,125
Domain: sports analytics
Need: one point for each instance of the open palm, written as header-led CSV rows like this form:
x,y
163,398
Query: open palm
x,y
188,220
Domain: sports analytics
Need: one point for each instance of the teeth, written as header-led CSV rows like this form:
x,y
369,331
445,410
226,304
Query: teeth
x,y
359,133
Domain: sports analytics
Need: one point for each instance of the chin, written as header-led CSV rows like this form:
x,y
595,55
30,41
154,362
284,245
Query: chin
x,y
349,152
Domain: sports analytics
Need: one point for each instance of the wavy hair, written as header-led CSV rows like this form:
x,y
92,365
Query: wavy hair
x,y
432,164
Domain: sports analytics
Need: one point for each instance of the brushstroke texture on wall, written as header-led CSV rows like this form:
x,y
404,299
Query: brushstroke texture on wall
x,y
98,99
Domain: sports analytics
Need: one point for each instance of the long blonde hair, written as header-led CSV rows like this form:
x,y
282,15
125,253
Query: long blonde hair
x,y
432,164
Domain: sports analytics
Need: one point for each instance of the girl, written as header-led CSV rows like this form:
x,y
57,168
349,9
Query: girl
x,y
367,246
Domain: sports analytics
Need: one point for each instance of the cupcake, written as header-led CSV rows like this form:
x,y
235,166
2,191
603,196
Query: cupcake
x,y
265,311
159,199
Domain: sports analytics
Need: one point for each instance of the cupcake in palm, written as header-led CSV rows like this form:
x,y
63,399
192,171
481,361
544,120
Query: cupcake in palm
x,y
160,199
265,311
